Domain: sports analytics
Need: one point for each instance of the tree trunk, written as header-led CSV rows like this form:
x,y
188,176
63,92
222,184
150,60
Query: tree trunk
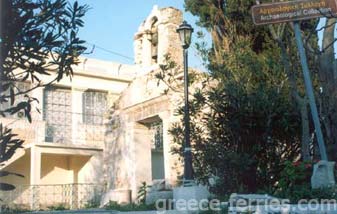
x,y
302,102
305,141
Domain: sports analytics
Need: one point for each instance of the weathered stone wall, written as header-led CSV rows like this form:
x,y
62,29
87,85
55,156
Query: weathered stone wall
x,y
128,150
166,21
127,153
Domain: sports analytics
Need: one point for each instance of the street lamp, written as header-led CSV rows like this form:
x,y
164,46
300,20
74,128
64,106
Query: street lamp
x,y
185,33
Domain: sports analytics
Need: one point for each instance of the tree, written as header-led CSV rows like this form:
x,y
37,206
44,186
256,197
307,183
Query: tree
x,y
245,125
282,35
240,49
326,73
37,38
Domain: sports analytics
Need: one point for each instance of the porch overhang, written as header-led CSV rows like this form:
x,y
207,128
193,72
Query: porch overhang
x,y
65,149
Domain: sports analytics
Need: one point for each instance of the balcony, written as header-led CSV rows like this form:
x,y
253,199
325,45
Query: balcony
x,y
65,128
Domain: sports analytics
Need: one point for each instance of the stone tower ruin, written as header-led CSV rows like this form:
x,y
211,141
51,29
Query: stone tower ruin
x,y
157,37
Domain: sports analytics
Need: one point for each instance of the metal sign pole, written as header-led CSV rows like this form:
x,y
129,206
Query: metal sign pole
x,y
310,91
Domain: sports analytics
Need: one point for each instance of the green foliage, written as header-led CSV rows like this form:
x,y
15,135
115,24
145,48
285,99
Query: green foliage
x,y
58,207
8,145
295,173
112,205
141,194
295,183
38,38
244,123
140,206
304,191
94,203
245,126
13,210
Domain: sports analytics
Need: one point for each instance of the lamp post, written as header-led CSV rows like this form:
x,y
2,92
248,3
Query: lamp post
x,y
185,33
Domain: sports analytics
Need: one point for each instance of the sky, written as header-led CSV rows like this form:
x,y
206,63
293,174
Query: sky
x,y
111,24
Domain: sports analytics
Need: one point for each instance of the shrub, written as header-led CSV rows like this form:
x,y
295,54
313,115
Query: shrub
x,y
142,192
112,205
295,183
58,207
92,204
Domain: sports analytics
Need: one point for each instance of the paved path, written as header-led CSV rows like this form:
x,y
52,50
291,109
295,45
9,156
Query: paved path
x,y
91,211
102,211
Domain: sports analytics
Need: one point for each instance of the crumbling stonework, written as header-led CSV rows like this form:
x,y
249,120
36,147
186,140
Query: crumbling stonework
x,y
128,153
128,149
146,109
158,32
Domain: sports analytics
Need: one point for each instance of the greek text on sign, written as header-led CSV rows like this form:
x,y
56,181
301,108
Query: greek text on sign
x,y
272,13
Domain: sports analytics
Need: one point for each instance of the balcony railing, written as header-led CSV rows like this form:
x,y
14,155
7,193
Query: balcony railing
x,y
43,197
60,127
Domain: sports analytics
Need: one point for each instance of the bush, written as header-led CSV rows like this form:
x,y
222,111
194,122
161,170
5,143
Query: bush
x,y
142,192
305,192
4,209
58,207
92,204
295,183
112,205
294,174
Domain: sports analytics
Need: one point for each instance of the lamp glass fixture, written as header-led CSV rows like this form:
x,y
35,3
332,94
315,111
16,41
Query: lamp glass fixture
x,y
185,33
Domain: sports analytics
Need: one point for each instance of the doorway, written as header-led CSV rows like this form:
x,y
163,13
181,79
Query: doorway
x,y
157,150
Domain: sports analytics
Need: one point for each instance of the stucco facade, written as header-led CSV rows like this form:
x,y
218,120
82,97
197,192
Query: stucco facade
x,y
64,143
108,125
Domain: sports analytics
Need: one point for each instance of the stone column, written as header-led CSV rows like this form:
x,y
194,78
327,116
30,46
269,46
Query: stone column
x,y
146,49
35,165
35,176
166,144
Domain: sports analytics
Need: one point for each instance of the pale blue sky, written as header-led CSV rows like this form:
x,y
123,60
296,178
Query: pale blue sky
x,y
111,25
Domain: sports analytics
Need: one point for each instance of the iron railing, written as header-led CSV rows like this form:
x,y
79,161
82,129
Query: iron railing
x,y
58,196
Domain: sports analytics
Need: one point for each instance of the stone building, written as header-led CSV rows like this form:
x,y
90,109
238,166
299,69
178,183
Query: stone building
x,y
138,143
106,130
